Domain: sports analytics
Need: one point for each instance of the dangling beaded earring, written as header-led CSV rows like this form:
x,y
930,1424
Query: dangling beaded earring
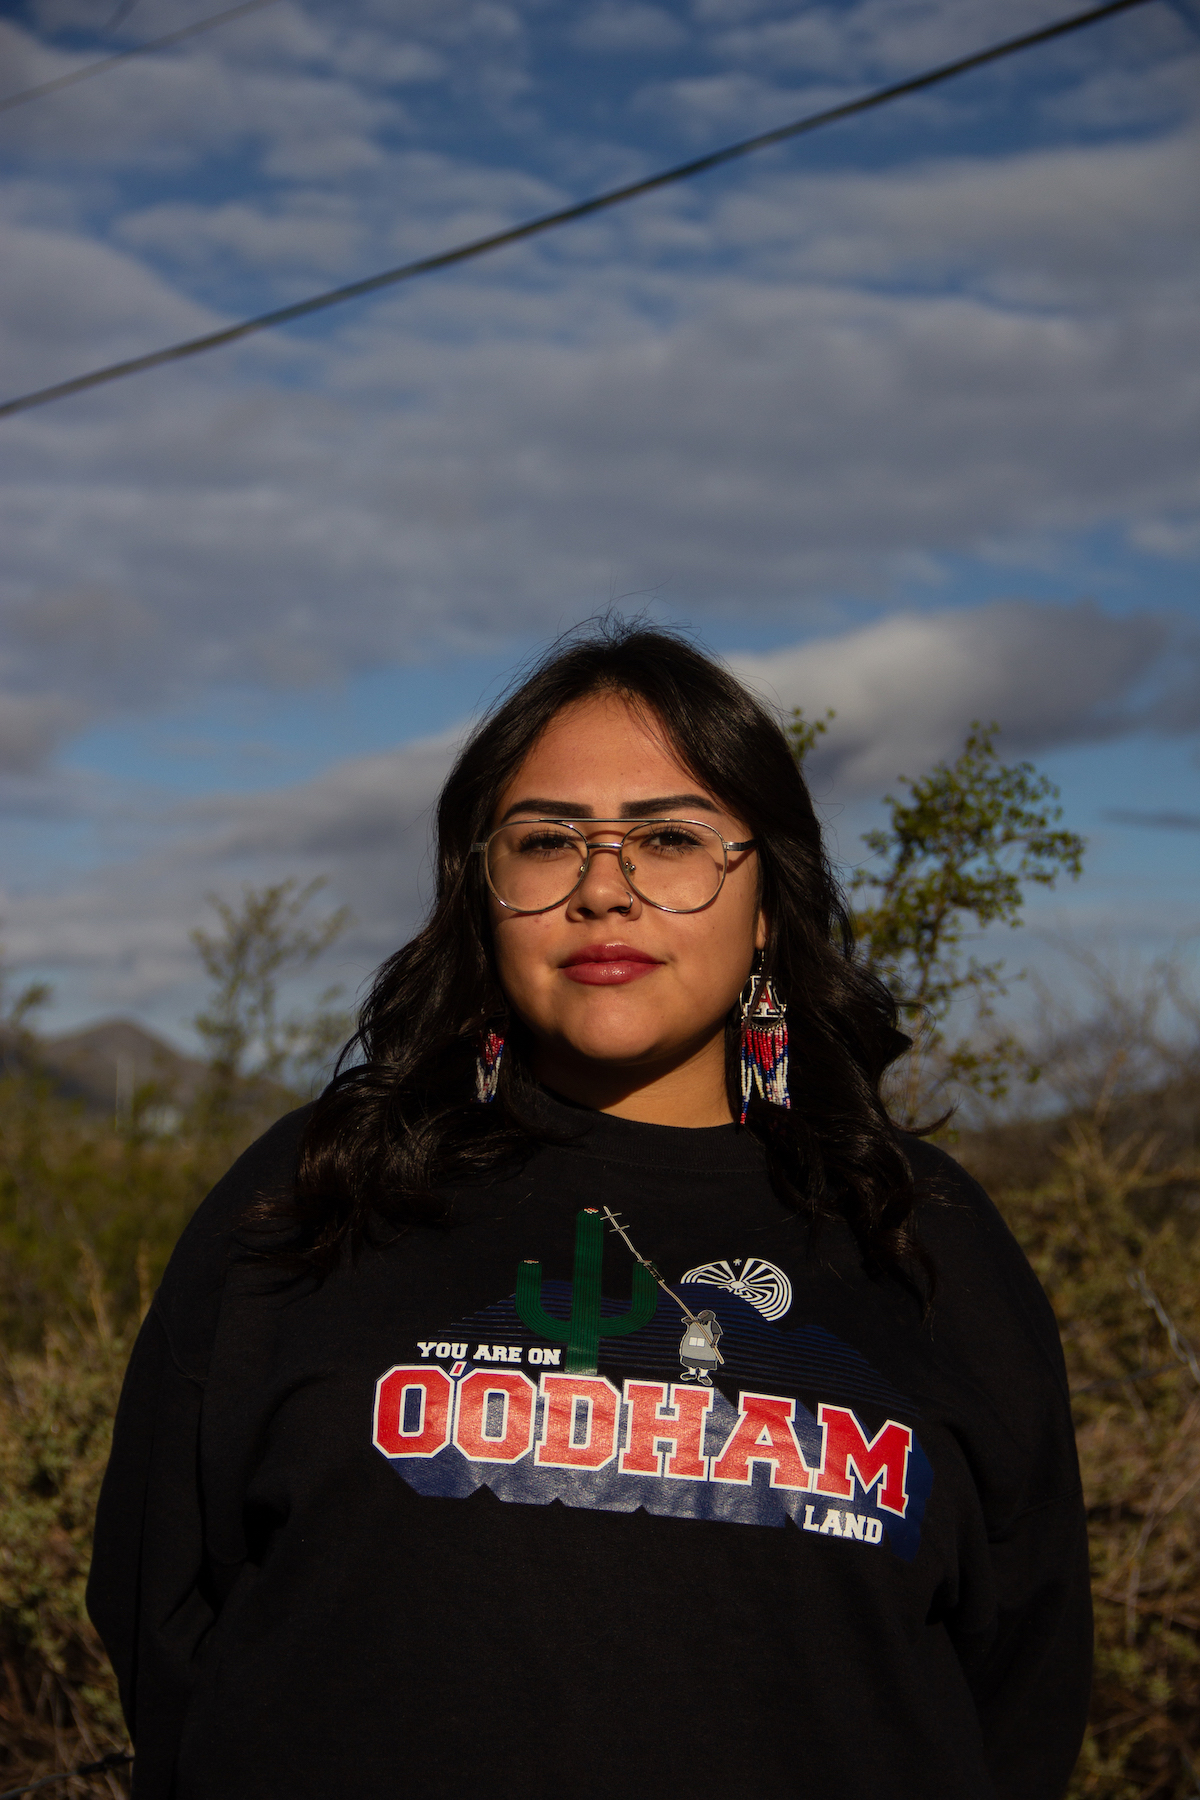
x,y
487,1065
764,1041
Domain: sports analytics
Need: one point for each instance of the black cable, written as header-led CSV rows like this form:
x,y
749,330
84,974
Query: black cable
x,y
115,1759
120,56
444,259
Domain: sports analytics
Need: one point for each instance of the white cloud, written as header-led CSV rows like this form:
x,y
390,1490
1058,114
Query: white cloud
x,y
769,65
31,726
614,25
367,807
65,660
119,935
905,690
888,38
428,202
66,299
1086,230
301,93
734,101
158,114
315,235
477,456
1169,537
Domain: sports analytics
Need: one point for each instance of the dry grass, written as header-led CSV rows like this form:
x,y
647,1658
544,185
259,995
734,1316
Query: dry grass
x,y
1110,1227
58,1701
88,1216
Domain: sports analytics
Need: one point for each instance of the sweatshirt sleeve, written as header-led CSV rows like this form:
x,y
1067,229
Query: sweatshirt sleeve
x,y
146,1589
1030,1670
154,1590
1022,1626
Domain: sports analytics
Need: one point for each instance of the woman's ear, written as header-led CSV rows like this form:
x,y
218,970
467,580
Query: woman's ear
x,y
762,931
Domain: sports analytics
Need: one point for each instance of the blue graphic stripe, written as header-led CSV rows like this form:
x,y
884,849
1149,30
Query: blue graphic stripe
x,y
805,1359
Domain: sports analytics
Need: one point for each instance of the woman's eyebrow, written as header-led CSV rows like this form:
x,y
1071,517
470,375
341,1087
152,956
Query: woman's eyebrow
x,y
665,803
547,809
535,806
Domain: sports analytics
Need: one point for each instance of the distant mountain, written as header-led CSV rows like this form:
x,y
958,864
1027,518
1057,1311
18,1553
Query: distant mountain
x,y
106,1063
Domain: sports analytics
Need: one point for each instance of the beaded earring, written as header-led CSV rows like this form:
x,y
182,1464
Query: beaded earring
x,y
764,1042
487,1065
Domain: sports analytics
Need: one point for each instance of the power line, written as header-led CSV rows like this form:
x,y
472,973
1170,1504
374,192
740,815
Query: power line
x,y
120,56
444,259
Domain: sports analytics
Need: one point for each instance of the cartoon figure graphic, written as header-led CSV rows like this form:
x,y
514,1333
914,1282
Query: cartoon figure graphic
x,y
698,1352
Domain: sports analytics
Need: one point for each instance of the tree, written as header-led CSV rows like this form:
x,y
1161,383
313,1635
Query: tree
x,y
954,858
258,943
803,733
16,1010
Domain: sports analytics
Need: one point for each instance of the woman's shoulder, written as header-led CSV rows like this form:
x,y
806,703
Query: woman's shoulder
x,y
957,1218
985,1283
949,1193
188,1299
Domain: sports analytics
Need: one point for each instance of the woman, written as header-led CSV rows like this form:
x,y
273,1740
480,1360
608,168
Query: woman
x,y
562,1405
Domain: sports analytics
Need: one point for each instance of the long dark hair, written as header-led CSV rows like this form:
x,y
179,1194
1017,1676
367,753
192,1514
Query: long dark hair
x,y
400,1123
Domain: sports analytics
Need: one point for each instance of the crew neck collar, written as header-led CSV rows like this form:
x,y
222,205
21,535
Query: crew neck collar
x,y
717,1149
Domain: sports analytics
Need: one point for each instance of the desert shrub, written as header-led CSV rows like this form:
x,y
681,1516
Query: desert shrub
x,y
121,1190
58,1697
72,1182
1106,1231
90,1209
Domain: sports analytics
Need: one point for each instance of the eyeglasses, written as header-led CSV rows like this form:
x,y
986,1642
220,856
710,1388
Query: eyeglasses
x,y
677,865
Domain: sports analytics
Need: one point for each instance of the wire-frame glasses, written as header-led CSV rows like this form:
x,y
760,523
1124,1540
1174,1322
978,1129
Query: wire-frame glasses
x,y
676,865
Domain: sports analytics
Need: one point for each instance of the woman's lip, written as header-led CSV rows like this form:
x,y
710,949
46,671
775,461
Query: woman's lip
x,y
608,953
608,965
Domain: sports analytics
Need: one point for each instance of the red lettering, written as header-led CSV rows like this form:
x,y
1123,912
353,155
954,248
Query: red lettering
x,y
683,1431
598,1402
432,1432
846,1448
764,1433
517,1393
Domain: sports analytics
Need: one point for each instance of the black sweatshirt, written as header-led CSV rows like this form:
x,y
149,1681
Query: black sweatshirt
x,y
491,1513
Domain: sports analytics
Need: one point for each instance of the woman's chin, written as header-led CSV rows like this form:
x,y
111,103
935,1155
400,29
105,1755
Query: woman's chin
x,y
607,1057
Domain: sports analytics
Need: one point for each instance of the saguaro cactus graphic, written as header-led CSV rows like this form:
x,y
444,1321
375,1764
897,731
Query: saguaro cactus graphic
x,y
583,1330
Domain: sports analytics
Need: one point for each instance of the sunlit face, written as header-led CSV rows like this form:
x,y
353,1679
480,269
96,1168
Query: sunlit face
x,y
604,980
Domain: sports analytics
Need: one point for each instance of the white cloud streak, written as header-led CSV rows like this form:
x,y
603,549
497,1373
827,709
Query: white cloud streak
x,y
905,690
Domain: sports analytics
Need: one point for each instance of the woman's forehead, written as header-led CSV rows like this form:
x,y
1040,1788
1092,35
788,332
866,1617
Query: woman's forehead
x,y
605,756
604,738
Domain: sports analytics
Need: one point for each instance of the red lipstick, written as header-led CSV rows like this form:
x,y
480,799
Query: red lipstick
x,y
608,965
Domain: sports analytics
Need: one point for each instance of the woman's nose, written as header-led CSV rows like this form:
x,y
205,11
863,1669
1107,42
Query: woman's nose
x,y
603,888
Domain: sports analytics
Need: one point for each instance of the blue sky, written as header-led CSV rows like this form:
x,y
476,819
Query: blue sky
x,y
903,419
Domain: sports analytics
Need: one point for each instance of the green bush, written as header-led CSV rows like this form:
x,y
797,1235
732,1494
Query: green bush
x,y
70,1182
